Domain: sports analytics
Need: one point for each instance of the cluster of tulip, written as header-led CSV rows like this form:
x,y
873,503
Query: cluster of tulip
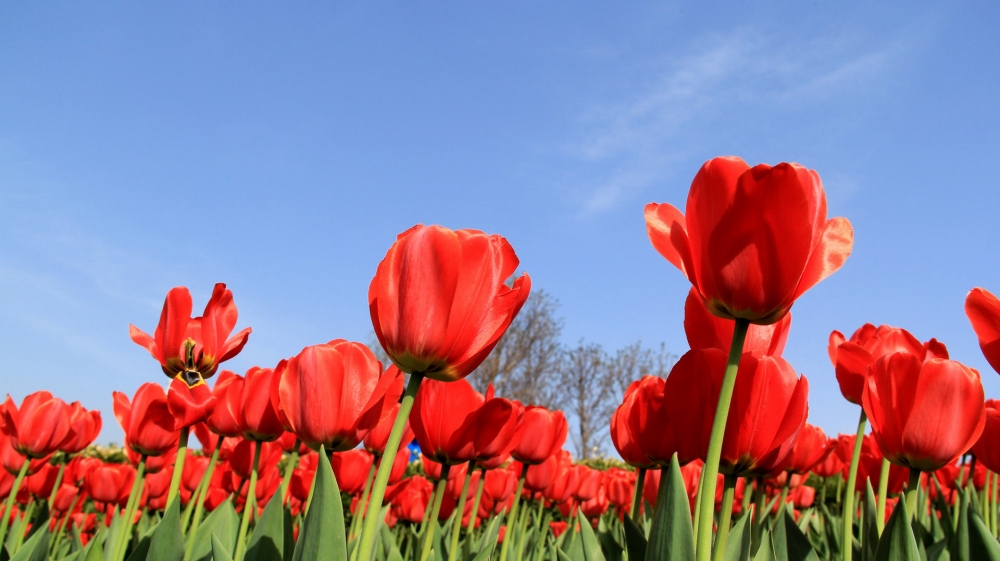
x,y
719,447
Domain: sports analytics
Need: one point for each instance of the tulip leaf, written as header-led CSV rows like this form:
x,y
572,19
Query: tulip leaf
x,y
982,544
36,548
268,539
389,544
959,544
635,541
489,542
869,524
938,551
117,523
671,537
738,545
897,542
789,543
224,524
167,543
322,534
94,550
289,525
40,519
219,551
766,550
591,547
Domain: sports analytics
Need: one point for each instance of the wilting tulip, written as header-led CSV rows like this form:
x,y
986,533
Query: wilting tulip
x,y
983,310
704,330
351,469
752,240
987,448
204,340
85,425
809,448
543,432
333,394
852,357
41,425
924,415
438,301
146,421
249,402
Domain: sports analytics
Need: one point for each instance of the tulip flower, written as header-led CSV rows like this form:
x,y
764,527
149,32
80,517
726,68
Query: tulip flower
x,y
705,330
987,448
810,447
109,483
41,425
544,432
377,438
924,415
189,404
566,480
146,421
194,347
333,394
351,469
85,425
621,436
983,310
589,481
832,463
542,475
249,402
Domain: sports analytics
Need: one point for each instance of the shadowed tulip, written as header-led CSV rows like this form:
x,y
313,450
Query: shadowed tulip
x,y
39,427
924,415
704,330
351,469
146,421
621,436
751,240
438,301
987,448
983,310
378,436
810,448
831,464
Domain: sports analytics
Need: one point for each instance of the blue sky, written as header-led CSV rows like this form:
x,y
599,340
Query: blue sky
x,y
280,147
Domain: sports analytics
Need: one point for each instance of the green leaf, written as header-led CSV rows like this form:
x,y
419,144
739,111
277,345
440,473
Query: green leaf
x,y
141,549
766,550
635,541
897,542
938,551
869,524
789,543
612,551
738,546
389,544
219,551
268,539
94,550
322,535
288,551
167,543
489,541
117,522
40,519
36,548
958,545
671,537
224,524
832,531
591,547
982,544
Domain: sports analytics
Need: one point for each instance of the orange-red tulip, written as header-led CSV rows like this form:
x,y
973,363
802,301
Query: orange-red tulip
x,y
333,394
39,427
146,421
924,415
207,336
751,240
438,301
983,310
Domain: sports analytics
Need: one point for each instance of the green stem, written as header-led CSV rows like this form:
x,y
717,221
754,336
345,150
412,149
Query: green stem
x,y
435,510
62,524
852,478
359,511
475,503
292,461
248,506
911,492
725,516
10,499
756,523
59,478
697,506
512,518
637,495
460,509
28,514
993,504
133,500
175,480
784,492
883,490
382,477
199,507
522,530
710,472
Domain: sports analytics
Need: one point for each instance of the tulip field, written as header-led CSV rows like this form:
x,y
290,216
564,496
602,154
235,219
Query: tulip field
x,y
334,455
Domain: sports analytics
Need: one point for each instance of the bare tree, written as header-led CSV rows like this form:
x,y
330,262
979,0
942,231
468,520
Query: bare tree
x,y
586,391
377,349
525,362
635,361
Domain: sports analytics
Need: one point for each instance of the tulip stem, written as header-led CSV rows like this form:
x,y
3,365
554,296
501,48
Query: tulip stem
x,y
757,522
512,518
62,524
59,478
435,510
640,479
175,480
248,506
784,491
883,489
362,509
475,503
370,526
10,499
847,543
460,510
725,516
129,517
292,460
710,472
199,507
911,491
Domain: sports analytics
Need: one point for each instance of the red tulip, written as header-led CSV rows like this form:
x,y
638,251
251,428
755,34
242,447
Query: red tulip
x,y
499,484
205,340
924,415
438,301
543,432
85,425
589,481
222,421
158,483
241,460
40,484
752,240
399,465
189,404
851,358
153,463
542,475
558,528
619,491
333,394
40,427
870,468
194,470
109,483
351,469
621,436
411,497
453,422
983,310
146,421
596,506
808,449
566,479
831,464
249,402
378,436
705,330
987,448
64,498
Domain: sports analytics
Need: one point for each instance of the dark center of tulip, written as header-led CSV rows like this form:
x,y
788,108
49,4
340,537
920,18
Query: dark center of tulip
x,y
190,377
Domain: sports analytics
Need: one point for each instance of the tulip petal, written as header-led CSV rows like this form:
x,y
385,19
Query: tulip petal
x,y
983,311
